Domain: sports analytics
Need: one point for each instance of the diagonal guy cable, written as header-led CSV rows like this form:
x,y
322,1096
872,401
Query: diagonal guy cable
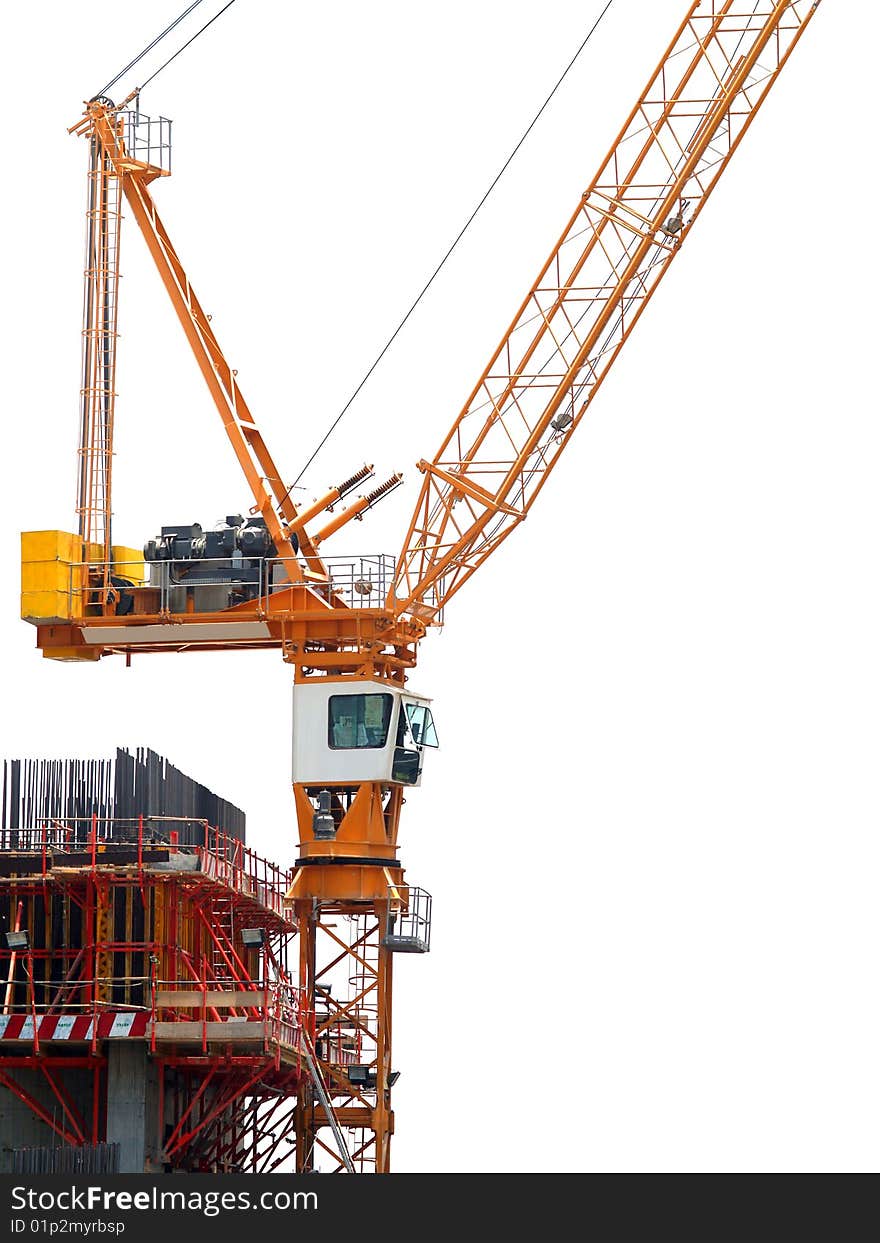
x,y
442,262
158,39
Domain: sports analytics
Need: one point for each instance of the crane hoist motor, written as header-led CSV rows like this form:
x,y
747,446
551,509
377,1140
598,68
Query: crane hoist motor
x,y
202,571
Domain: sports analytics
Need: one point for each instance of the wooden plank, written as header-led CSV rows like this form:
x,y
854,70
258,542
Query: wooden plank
x,y
229,1033
191,998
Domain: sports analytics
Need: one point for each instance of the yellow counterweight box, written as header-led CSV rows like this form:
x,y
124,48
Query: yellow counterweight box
x,y
52,584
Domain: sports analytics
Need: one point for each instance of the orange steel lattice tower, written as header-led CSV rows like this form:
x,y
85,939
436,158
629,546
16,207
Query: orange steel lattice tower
x,y
350,630
98,392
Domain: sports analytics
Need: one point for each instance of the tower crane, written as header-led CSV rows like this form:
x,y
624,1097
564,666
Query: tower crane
x,y
350,629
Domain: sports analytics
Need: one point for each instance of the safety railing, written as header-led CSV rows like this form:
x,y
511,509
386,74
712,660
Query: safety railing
x,y
93,834
213,584
148,139
268,1011
167,588
361,582
74,994
54,839
219,855
290,1014
52,836
228,860
339,1041
408,922
89,1021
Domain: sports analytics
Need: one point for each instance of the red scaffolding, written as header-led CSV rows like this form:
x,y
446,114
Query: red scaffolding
x,y
178,949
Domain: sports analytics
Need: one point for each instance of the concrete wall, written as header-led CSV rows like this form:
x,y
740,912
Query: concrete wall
x,y
133,1107
19,1125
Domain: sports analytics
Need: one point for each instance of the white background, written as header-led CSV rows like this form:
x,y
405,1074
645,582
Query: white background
x,y
651,833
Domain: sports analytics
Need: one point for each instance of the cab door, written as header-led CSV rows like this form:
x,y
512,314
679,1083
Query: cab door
x,y
415,731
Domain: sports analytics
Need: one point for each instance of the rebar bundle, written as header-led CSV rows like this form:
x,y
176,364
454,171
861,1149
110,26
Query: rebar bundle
x,y
38,792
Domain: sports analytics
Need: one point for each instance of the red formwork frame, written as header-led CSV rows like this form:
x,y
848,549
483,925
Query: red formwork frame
x,y
226,1040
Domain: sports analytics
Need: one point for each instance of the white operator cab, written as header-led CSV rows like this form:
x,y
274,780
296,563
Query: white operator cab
x,y
348,732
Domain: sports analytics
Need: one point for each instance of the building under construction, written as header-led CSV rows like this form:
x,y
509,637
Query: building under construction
x,y
149,1021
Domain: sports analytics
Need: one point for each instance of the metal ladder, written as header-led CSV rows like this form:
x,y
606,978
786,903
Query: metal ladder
x,y
223,923
98,395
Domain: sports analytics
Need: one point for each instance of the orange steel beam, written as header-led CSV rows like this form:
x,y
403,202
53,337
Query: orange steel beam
x,y
99,335
629,225
250,449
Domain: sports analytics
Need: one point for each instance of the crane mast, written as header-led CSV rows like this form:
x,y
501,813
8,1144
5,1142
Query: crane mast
x,y
98,389
360,735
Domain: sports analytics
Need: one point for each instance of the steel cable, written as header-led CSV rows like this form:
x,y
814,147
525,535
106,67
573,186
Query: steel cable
x,y
186,45
131,64
461,234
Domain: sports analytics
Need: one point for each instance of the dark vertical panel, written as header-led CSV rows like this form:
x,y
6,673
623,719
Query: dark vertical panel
x,y
117,791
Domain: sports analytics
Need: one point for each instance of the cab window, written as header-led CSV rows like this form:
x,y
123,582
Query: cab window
x,y
358,721
421,725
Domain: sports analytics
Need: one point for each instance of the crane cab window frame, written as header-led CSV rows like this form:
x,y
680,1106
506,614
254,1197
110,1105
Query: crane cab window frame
x,y
421,725
358,722
415,731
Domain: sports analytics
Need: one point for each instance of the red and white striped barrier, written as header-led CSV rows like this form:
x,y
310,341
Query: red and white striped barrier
x,y
74,1027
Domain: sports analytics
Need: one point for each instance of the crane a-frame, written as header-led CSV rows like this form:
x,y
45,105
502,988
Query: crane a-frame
x,y
352,631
